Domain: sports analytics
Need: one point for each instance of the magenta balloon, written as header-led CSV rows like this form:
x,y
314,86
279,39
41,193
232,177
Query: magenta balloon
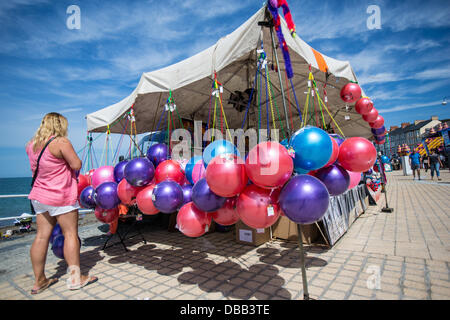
x,y
355,177
377,123
363,106
103,174
371,116
199,171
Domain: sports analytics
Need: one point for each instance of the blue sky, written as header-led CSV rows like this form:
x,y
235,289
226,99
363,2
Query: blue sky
x,y
44,66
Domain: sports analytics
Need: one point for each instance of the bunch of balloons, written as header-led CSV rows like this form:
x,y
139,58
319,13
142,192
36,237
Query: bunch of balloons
x,y
295,179
153,183
351,93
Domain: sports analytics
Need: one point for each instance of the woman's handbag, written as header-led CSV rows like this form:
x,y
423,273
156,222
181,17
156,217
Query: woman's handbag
x,y
36,171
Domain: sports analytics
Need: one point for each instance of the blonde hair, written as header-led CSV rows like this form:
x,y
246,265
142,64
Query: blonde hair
x,y
53,124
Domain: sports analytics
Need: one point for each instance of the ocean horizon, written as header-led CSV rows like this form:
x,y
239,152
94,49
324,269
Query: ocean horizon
x,y
14,207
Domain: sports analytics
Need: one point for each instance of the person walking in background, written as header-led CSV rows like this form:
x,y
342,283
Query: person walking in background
x,y
425,162
54,199
435,164
414,161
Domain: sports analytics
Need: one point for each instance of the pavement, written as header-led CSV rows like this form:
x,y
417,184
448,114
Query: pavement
x,y
403,255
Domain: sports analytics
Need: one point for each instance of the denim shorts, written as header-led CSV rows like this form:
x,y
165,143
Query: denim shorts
x,y
53,211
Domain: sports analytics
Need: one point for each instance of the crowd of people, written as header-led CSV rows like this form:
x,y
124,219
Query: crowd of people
x,y
433,162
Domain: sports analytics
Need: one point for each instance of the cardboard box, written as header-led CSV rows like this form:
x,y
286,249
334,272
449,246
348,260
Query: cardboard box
x,y
248,235
286,229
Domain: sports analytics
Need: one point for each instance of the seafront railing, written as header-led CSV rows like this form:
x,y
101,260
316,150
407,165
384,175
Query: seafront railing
x,y
30,215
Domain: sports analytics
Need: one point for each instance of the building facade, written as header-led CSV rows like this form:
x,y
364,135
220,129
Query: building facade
x,y
408,133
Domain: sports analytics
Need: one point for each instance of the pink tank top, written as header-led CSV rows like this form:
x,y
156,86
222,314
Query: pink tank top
x,y
56,183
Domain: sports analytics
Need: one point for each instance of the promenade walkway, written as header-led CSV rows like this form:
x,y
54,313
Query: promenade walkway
x,y
399,255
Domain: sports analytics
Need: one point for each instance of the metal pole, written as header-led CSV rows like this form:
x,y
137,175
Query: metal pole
x,y
281,83
302,262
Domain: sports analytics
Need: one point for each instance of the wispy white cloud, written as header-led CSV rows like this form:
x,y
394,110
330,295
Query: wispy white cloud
x,y
410,106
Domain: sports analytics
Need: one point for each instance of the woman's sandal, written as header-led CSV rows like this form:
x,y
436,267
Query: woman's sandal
x,y
88,281
49,283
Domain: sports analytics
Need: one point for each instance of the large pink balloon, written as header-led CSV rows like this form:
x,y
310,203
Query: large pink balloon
x,y
371,115
355,178
363,106
377,123
198,171
103,174
226,175
357,154
269,165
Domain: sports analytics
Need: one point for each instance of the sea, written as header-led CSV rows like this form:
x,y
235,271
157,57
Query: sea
x,y
14,207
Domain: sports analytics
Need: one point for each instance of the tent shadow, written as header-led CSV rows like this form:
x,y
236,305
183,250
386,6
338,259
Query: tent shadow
x,y
290,258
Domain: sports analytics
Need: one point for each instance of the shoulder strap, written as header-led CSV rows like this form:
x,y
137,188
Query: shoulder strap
x,y
39,158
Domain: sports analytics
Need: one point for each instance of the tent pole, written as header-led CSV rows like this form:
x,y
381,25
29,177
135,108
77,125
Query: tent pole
x,y
281,83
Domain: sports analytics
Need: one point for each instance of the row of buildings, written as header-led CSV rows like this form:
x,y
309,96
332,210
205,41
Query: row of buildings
x,y
411,134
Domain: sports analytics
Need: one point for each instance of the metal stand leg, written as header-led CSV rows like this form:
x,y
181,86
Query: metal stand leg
x,y
386,208
302,262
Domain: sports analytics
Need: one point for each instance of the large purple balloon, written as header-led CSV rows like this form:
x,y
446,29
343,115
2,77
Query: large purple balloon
x,y
157,153
167,196
119,170
335,178
87,197
139,172
304,199
187,193
106,195
55,232
204,199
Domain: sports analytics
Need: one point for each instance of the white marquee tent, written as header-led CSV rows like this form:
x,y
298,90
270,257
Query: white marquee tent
x,y
234,59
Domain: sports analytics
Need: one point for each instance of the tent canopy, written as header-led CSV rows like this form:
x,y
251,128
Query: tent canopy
x,y
234,60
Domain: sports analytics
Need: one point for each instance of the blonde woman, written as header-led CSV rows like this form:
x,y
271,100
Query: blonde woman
x,y
54,199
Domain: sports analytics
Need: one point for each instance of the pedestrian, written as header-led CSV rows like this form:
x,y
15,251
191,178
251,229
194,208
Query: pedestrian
x,y
414,161
435,164
425,162
53,196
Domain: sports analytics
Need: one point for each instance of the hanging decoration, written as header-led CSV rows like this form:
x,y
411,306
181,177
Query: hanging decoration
x,y
273,6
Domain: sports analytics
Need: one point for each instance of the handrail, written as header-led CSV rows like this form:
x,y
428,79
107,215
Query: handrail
x,y
32,216
13,195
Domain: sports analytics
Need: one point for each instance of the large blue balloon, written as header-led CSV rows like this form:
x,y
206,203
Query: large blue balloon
x,y
106,195
304,199
190,167
204,199
313,148
87,198
167,196
119,170
385,159
139,172
218,147
158,153
335,178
